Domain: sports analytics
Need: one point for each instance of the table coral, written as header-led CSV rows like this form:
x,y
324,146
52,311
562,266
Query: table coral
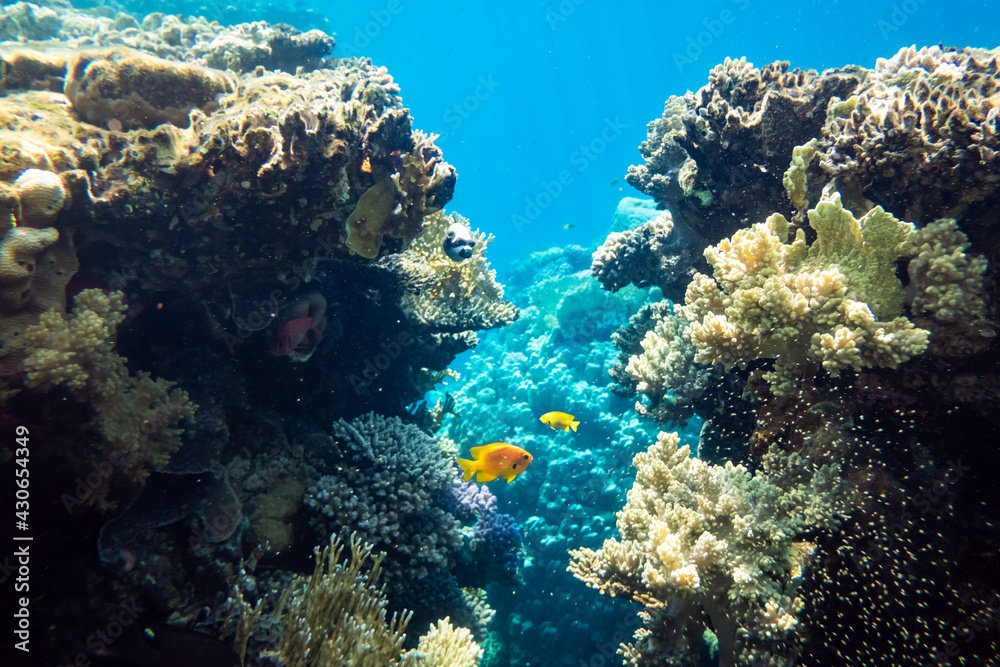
x,y
698,538
835,303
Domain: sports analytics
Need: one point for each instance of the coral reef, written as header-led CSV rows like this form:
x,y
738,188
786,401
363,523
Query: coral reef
x,y
789,301
693,535
919,136
238,46
203,226
140,91
338,615
715,159
387,490
444,645
136,414
644,256
446,296
856,351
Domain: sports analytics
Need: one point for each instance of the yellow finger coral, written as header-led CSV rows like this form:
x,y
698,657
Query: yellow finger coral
x,y
833,304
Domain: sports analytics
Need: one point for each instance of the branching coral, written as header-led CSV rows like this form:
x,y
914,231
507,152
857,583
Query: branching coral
x,y
136,414
337,616
449,296
444,645
835,303
699,541
947,285
389,490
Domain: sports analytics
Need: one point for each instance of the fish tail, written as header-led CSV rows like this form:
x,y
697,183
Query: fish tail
x,y
468,468
573,425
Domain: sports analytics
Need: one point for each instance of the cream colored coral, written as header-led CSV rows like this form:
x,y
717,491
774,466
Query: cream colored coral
x,y
444,646
448,295
42,196
833,304
667,361
713,536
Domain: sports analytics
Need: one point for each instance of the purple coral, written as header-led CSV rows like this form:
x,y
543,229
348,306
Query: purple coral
x,y
497,543
472,500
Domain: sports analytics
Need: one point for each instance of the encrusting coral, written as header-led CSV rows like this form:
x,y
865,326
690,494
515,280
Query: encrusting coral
x,y
919,136
136,414
180,36
835,303
700,541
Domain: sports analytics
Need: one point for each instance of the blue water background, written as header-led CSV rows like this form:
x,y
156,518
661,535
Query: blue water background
x,y
523,92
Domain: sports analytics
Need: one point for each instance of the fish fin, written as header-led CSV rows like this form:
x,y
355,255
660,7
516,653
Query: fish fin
x,y
468,468
484,476
511,476
475,450
573,425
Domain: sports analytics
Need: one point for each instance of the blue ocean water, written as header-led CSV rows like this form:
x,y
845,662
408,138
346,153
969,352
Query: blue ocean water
x,y
524,92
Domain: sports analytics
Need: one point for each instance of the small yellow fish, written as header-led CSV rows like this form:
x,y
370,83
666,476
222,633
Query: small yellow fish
x,y
559,420
498,459
569,225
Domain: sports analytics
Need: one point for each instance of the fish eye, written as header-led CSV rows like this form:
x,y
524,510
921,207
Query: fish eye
x,y
525,456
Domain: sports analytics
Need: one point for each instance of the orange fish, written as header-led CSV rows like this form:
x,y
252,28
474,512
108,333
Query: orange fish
x,y
495,460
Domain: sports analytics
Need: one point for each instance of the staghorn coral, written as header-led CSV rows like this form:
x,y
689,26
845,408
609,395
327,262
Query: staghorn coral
x,y
835,303
389,491
135,414
701,541
446,296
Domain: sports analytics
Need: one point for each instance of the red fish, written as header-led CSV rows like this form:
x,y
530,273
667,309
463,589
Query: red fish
x,y
294,334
